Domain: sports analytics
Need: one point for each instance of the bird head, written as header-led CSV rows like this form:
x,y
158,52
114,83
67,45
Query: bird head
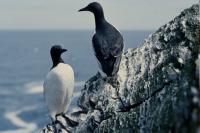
x,y
57,50
93,7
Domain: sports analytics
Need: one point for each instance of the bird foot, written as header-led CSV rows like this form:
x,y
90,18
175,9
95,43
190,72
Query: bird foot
x,y
56,126
78,113
103,75
62,126
70,122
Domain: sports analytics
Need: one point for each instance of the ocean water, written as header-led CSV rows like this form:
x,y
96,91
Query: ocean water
x,y
24,63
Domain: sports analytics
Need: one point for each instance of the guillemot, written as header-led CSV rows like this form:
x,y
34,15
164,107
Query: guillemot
x,y
107,41
58,86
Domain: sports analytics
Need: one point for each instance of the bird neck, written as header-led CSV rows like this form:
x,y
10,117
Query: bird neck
x,y
99,19
56,61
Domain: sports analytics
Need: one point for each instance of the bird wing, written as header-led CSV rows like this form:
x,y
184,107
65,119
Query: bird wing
x,y
117,46
106,46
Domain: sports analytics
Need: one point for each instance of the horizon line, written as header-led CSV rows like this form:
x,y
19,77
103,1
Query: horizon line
x,y
72,29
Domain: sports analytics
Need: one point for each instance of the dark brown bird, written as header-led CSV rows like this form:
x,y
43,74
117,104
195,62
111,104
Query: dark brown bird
x,y
107,41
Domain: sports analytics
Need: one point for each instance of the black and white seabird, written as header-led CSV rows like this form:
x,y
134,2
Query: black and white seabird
x,y
107,41
59,85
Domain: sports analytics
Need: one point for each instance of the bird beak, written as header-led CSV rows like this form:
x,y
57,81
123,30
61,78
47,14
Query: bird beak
x,y
83,9
63,50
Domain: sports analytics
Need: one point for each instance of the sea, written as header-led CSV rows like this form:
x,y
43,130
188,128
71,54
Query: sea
x,y
24,63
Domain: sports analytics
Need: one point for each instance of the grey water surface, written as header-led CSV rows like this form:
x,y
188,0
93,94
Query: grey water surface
x,y
24,63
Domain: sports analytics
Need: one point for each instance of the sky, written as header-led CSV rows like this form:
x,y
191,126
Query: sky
x,y
63,14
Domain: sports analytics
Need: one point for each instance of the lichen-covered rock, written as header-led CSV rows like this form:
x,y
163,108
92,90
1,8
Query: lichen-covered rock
x,y
155,84
156,89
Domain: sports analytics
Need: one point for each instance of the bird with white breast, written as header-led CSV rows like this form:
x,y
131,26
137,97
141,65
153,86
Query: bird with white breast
x,y
59,86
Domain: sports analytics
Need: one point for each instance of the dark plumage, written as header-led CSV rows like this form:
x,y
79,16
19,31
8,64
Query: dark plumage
x,y
56,52
107,41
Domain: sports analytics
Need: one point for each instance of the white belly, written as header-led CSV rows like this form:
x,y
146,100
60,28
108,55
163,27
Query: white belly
x,y
58,88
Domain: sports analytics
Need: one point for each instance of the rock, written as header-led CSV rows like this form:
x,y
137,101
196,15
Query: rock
x,y
156,89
